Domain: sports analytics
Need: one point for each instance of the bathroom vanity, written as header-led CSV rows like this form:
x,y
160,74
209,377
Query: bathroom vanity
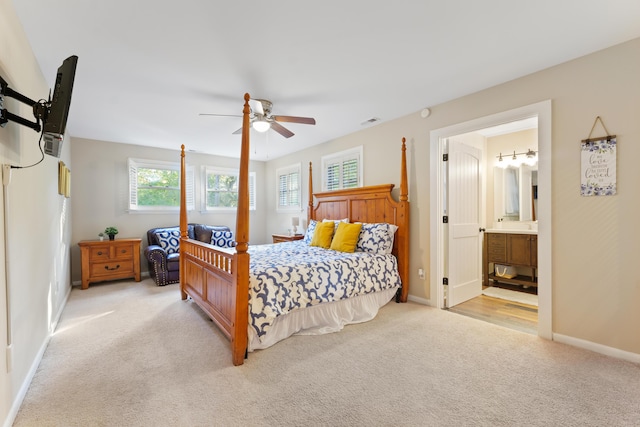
x,y
517,248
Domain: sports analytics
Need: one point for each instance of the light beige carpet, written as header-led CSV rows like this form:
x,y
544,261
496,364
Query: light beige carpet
x,y
133,354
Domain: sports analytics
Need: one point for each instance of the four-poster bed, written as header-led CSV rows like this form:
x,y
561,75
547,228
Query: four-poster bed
x,y
220,280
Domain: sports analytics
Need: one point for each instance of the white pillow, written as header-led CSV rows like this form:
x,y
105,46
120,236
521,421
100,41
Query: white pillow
x,y
376,238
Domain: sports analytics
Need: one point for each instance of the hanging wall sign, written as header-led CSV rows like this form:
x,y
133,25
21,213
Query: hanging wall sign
x,y
598,161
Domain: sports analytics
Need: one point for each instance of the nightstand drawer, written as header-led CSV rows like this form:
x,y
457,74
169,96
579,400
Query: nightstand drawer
x,y
99,253
112,268
122,252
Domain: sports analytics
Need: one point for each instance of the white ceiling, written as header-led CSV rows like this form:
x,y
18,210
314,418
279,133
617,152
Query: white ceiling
x,y
147,68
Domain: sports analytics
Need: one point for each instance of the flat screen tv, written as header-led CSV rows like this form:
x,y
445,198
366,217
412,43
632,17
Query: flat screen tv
x,y
55,121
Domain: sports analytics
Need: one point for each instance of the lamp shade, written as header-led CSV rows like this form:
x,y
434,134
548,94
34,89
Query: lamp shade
x,y
261,125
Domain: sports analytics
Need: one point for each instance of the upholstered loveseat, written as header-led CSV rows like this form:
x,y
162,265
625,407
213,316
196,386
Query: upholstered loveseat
x,y
163,250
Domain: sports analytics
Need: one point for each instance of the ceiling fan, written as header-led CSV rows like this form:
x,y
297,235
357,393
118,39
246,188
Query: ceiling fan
x,y
262,120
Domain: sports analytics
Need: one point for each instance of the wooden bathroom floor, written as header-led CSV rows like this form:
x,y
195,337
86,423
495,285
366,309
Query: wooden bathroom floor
x,y
513,315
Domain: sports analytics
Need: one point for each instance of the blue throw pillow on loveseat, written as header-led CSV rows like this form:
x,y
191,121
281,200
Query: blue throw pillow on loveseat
x,y
223,239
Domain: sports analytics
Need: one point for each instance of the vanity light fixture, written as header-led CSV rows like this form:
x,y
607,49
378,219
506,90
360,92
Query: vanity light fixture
x,y
531,159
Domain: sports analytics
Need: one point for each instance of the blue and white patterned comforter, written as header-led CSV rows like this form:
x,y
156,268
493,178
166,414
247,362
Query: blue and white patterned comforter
x,y
293,275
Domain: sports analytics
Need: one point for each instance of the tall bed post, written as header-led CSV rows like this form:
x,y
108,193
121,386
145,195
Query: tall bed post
x,y
403,248
183,213
241,321
310,207
404,193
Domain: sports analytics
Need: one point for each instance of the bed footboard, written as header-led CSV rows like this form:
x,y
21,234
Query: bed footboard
x,y
209,277
217,279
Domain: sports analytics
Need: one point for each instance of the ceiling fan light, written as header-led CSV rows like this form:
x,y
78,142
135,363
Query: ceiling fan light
x,y
261,125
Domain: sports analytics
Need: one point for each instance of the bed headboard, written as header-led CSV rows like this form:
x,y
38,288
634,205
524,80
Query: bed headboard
x,y
370,204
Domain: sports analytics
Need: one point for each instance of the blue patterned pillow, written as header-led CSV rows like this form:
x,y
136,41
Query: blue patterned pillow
x,y
169,241
311,228
223,239
376,238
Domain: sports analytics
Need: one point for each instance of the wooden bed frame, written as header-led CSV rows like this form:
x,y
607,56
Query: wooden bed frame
x,y
217,279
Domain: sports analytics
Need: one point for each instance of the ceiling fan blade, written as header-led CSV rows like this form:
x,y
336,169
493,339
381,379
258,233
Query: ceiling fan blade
x,y
219,115
293,119
281,130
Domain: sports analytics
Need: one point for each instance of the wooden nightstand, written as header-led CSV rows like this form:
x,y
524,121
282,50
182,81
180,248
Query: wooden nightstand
x,y
279,238
109,260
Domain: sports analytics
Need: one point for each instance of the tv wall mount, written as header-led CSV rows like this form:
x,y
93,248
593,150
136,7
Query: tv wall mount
x,y
51,115
40,108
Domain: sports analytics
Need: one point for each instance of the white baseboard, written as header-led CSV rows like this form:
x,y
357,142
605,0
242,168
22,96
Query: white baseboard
x,y
419,300
598,348
22,392
143,275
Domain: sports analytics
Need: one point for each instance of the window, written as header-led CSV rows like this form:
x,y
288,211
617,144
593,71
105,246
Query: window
x,y
155,186
221,189
342,170
289,194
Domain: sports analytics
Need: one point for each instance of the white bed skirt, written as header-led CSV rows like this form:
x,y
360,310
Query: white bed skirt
x,y
322,319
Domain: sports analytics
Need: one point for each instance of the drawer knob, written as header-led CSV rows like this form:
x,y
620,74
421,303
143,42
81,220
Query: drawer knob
x,y
106,267
99,252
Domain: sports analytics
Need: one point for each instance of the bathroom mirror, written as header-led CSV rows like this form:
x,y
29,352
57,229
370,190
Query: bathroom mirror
x,y
515,193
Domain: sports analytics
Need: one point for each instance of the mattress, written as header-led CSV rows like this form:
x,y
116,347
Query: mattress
x,y
290,277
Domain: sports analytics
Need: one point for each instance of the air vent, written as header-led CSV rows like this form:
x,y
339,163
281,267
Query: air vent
x,y
370,121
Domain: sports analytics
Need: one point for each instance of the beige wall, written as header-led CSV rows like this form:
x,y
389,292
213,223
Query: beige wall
x,y
99,189
595,288
37,232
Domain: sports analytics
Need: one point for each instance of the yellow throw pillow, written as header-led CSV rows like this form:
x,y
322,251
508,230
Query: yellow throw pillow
x,y
346,237
322,235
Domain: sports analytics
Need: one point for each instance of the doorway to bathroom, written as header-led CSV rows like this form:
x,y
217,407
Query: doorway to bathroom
x,y
461,210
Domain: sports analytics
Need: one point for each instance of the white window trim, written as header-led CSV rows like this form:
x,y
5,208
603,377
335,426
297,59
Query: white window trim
x,y
226,171
134,164
285,170
325,161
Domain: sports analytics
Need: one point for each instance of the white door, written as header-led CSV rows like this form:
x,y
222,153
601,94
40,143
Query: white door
x,y
464,235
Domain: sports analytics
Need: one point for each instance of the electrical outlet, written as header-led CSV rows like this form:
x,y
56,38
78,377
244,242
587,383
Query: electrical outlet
x,y
421,273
